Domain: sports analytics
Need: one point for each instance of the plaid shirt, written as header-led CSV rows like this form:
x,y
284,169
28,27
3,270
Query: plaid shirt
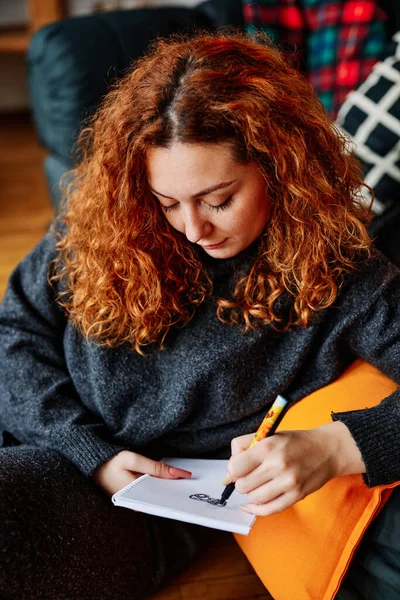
x,y
339,40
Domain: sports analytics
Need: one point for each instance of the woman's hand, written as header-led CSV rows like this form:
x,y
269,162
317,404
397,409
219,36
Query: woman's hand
x,y
287,466
126,466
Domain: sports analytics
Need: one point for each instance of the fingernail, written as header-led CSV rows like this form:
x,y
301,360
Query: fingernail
x,y
244,508
226,480
174,472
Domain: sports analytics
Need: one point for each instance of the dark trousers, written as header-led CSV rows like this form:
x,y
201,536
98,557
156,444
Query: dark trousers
x,y
62,539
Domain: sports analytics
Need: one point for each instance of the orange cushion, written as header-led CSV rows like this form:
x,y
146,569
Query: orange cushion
x,y
303,552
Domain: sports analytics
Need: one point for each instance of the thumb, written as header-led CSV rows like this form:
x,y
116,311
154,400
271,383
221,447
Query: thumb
x,y
167,472
142,464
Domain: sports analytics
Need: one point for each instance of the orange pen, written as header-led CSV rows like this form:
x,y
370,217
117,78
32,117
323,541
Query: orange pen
x,y
267,427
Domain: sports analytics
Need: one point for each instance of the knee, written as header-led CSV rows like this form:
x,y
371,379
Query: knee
x,y
32,505
26,476
26,472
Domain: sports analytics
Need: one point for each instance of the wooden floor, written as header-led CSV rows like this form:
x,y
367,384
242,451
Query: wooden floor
x,y
220,572
25,208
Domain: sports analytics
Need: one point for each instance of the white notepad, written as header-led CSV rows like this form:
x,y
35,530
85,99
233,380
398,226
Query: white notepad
x,y
170,498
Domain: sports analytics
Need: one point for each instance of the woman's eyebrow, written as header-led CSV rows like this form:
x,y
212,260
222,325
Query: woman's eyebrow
x,y
208,190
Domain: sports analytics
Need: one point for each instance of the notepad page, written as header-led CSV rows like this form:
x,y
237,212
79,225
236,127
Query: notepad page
x,y
171,498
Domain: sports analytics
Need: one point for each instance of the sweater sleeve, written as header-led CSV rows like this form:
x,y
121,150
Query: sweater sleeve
x,y
38,402
375,337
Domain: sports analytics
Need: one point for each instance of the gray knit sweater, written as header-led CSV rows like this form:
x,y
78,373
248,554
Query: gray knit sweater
x,y
209,385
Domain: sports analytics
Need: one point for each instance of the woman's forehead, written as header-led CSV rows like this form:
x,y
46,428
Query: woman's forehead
x,y
196,165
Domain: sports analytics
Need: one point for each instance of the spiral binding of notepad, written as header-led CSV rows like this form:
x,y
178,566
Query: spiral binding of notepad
x,y
128,487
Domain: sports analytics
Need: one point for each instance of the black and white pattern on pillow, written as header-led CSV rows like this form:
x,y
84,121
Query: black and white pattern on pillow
x,y
370,117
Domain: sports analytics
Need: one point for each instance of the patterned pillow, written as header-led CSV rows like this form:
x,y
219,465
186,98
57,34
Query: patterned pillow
x,y
370,117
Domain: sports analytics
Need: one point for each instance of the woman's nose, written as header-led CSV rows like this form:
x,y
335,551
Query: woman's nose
x,y
196,226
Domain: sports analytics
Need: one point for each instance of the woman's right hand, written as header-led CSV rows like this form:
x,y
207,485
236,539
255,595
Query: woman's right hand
x,y
126,466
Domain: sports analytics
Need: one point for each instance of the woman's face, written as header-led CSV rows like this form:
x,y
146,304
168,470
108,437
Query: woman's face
x,y
215,201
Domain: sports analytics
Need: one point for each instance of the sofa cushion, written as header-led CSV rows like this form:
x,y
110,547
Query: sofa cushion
x,y
370,117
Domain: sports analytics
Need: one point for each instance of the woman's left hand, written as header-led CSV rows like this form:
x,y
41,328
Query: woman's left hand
x,y
287,466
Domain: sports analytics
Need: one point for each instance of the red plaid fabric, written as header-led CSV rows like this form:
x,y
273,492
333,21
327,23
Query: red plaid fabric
x,y
338,41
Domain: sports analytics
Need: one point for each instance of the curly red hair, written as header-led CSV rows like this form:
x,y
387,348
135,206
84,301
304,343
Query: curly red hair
x,y
127,275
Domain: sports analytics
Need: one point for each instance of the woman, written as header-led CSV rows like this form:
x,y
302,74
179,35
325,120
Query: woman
x,y
211,254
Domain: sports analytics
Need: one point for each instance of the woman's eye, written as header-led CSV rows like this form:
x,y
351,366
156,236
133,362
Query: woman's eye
x,y
222,206
168,208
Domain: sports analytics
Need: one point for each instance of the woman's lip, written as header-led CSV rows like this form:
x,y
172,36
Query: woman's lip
x,y
212,246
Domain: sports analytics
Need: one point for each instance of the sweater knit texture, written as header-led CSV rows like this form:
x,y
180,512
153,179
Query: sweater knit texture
x,y
210,384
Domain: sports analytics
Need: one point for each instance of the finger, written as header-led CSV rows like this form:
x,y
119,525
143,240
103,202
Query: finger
x,y
286,483
269,491
238,445
277,505
243,463
179,473
241,443
235,470
141,464
253,480
271,466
